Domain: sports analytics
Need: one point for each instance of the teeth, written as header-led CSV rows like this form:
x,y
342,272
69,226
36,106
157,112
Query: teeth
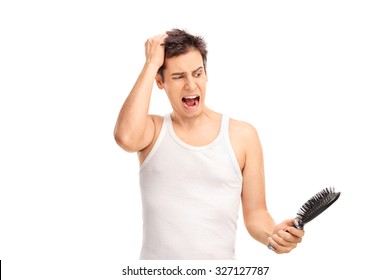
x,y
190,97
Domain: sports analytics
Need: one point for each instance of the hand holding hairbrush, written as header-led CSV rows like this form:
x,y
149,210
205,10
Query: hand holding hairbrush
x,y
314,207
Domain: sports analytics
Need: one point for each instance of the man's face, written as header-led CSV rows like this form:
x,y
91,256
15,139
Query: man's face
x,y
185,83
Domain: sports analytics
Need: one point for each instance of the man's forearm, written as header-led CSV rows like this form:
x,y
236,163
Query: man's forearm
x,y
260,225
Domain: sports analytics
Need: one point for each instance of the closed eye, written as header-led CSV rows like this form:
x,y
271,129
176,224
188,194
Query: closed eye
x,y
177,77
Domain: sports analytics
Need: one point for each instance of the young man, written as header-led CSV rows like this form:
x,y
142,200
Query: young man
x,y
195,164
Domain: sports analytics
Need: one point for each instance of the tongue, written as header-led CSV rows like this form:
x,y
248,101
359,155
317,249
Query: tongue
x,y
190,101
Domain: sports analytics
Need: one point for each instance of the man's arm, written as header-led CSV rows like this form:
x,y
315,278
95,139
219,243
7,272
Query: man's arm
x,y
134,129
258,221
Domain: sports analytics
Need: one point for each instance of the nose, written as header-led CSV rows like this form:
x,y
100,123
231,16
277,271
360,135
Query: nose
x,y
190,84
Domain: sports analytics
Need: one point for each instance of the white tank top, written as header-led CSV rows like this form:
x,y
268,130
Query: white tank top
x,y
190,198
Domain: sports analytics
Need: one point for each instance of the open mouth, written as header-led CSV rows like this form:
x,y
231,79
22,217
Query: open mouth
x,y
191,101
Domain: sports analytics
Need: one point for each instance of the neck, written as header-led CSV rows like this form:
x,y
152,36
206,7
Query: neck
x,y
185,122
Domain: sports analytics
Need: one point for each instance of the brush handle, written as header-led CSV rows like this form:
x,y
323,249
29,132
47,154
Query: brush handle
x,y
298,223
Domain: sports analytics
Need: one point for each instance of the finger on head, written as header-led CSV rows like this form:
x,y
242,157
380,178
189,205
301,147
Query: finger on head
x,y
163,37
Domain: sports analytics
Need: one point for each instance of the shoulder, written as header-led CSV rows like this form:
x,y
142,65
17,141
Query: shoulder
x,y
242,130
244,140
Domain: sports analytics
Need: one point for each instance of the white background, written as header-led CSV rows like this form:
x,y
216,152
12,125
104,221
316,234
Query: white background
x,y
311,76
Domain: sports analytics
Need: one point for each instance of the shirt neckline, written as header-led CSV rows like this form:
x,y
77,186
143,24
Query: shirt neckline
x,y
191,147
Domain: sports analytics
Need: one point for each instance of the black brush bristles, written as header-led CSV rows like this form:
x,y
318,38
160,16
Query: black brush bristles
x,y
315,206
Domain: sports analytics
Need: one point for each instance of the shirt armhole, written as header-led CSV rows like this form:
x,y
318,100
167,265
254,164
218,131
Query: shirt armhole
x,y
158,142
232,155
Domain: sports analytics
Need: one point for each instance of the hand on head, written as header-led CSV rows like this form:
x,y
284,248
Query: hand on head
x,y
154,49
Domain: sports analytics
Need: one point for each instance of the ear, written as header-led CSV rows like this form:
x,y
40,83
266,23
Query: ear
x,y
159,81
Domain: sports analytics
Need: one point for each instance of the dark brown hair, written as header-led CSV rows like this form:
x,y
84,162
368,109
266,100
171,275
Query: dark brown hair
x,y
180,42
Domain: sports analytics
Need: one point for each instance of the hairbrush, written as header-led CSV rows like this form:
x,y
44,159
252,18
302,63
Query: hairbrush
x,y
313,207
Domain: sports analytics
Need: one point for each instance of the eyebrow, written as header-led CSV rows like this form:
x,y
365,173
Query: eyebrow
x,y
182,73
